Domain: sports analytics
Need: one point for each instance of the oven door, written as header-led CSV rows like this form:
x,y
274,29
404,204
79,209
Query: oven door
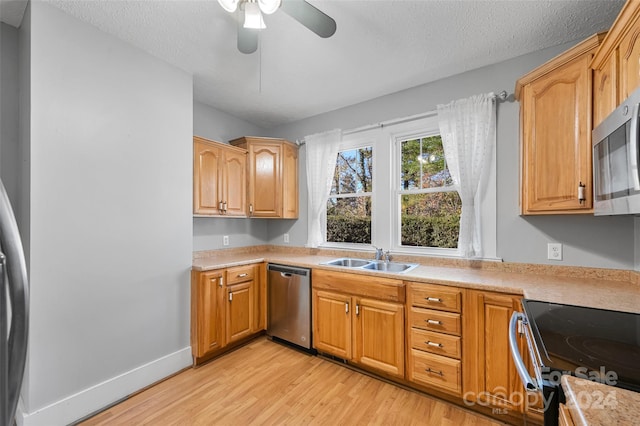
x,y
550,392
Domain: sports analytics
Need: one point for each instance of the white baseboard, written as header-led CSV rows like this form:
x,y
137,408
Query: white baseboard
x,y
95,398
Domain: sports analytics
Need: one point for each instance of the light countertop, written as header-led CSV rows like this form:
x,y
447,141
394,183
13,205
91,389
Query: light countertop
x,y
577,289
592,403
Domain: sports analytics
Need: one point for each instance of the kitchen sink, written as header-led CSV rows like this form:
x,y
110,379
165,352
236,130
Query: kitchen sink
x,y
348,262
372,265
390,266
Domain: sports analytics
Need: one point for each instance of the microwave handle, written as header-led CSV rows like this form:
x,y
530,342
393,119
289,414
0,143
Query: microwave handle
x,y
633,147
529,383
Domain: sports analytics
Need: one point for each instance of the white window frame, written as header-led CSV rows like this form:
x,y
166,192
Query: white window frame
x,y
351,142
398,192
385,199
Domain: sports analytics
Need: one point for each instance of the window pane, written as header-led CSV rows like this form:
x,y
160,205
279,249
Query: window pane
x,y
423,164
349,220
353,172
430,220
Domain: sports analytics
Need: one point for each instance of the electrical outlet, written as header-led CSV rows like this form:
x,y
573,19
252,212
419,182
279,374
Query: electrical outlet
x,y
554,251
286,238
225,240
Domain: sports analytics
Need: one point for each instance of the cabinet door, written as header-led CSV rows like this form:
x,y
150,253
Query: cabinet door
x,y
332,323
208,312
235,183
629,51
379,331
556,135
240,311
499,381
206,171
265,189
605,89
290,182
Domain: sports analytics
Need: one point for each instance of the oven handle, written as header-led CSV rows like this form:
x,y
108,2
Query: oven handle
x,y
529,383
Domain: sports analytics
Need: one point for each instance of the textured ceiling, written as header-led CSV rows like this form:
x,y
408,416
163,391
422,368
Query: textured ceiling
x,y
380,47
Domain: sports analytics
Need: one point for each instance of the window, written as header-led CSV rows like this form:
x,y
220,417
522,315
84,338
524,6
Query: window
x,y
429,203
349,205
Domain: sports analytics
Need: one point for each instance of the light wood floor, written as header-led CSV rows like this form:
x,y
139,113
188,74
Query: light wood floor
x,y
267,383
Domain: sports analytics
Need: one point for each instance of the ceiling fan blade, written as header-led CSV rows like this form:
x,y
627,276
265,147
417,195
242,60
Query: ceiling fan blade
x,y
310,16
247,39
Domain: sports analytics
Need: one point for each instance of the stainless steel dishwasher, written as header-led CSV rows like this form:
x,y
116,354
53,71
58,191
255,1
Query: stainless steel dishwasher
x,y
289,299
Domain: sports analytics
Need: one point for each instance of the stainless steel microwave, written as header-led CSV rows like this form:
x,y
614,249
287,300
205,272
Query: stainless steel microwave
x,y
616,178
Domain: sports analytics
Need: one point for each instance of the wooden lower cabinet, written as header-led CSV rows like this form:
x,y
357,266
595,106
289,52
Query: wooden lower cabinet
x,y
491,378
240,311
207,321
362,330
228,306
332,323
379,336
367,332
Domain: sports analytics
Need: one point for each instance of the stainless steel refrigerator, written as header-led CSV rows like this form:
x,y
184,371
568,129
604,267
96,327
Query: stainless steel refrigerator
x,y
14,311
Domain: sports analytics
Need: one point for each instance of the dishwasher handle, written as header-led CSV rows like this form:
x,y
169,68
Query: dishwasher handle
x,y
286,274
290,270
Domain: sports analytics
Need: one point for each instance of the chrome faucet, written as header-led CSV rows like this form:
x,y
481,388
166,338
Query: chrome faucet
x,y
387,256
379,253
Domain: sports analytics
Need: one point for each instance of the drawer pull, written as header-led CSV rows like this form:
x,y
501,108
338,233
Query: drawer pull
x,y
438,345
242,275
439,373
433,299
433,322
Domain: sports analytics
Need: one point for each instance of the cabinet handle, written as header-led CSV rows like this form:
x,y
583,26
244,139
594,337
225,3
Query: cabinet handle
x,y
346,307
220,206
430,343
230,297
439,373
434,322
242,275
220,281
250,209
224,207
357,309
433,299
581,193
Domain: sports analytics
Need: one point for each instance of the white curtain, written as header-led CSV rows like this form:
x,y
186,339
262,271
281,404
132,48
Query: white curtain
x,y
468,130
322,151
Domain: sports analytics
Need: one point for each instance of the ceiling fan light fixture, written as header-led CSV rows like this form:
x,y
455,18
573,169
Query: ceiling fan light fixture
x,y
269,6
229,5
253,17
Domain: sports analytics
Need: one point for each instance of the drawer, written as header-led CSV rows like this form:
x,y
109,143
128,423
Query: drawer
x,y
437,343
240,274
428,319
435,297
435,370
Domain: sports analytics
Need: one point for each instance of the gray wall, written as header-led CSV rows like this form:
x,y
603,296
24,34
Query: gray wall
x,y
9,111
110,217
588,241
212,123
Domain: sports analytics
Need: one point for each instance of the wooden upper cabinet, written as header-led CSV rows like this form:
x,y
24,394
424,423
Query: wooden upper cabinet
x,y
555,125
616,64
219,179
273,177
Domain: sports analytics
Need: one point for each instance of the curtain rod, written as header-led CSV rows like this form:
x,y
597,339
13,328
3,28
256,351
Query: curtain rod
x,y
503,96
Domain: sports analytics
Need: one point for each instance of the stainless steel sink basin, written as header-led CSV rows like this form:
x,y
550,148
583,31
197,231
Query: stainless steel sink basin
x,y
390,266
372,265
348,262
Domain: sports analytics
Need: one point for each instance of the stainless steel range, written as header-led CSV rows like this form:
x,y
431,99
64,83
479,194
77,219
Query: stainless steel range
x,y
595,344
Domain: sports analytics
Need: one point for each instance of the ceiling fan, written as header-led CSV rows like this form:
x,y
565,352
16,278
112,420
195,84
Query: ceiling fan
x,y
251,21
